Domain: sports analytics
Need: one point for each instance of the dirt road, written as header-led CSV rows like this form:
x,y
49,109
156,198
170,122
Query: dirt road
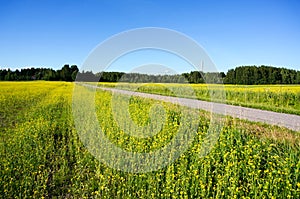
x,y
281,119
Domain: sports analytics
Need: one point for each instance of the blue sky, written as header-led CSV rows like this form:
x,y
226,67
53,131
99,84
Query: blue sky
x,y
51,33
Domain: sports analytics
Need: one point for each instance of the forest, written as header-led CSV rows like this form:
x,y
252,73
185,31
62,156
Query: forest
x,y
245,75
262,75
66,73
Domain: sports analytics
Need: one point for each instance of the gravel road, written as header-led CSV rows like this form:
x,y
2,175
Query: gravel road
x,y
281,119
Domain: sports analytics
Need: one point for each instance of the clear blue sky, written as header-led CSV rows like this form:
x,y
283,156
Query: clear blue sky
x,y
51,33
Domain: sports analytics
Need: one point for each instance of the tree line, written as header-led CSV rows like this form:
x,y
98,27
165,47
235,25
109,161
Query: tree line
x,y
262,75
241,75
192,77
66,73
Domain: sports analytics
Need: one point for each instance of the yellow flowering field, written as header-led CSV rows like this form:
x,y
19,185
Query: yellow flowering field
x,y
43,153
278,98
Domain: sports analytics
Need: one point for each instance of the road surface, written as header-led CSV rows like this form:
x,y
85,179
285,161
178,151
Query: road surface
x,y
281,119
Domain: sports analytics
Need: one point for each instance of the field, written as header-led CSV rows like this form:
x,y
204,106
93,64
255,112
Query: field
x,y
43,155
278,98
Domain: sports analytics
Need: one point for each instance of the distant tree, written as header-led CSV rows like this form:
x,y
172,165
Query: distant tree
x,y
298,77
230,77
7,76
195,77
74,71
